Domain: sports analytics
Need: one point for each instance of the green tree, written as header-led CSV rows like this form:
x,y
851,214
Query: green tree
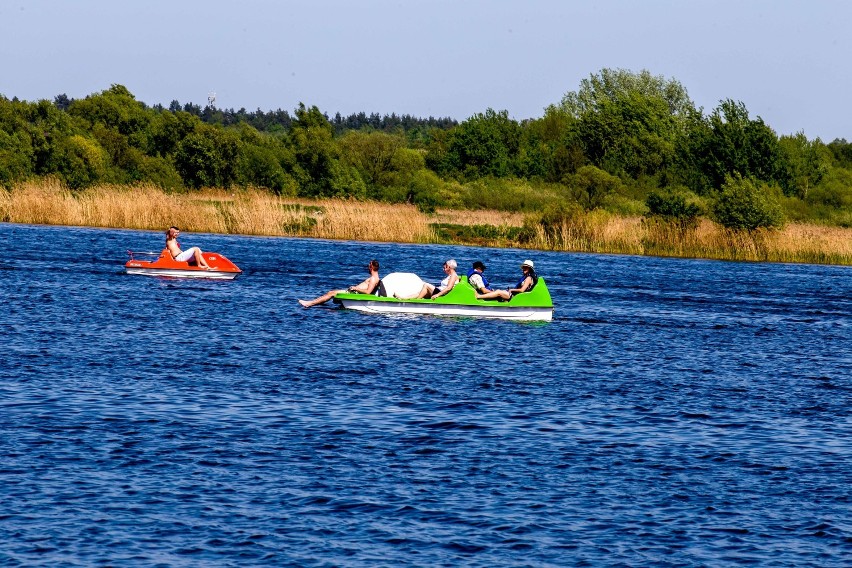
x,y
17,155
630,122
312,143
728,143
79,161
208,157
807,163
372,154
484,145
265,161
550,146
168,129
115,108
841,150
834,191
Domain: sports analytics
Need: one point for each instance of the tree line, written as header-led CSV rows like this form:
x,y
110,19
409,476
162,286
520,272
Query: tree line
x,y
631,143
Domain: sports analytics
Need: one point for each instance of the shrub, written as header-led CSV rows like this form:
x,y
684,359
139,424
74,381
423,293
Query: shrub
x,y
590,186
673,207
835,190
743,204
625,206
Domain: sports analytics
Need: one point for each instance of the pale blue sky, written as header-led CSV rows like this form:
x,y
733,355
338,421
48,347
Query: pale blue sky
x,y
788,61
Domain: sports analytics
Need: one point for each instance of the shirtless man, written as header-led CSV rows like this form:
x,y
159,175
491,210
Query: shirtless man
x,y
183,256
368,286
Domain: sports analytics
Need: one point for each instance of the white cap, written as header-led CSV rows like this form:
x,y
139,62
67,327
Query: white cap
x,y
528,263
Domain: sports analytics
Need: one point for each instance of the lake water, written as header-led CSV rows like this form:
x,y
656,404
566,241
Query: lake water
x,y
674,412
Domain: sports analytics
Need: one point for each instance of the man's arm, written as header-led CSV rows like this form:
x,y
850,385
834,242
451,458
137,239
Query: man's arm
x,y
366,286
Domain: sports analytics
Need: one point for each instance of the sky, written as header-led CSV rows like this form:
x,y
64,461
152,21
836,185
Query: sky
x,y
787,61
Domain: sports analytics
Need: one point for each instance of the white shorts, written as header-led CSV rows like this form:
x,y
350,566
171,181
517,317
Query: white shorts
x,y
185,255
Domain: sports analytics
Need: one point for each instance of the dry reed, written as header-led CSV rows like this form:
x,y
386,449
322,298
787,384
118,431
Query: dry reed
x,y
251,212
601,232
354,220
256,212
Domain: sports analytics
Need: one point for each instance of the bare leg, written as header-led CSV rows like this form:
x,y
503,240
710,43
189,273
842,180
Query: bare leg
x,y
495,295
321,300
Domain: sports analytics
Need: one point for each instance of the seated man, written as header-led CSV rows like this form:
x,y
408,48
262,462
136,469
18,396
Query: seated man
x,y
476,279
183,256
525,284
368,286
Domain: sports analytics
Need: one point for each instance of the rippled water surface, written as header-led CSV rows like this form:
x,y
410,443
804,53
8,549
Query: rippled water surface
x,y
675,412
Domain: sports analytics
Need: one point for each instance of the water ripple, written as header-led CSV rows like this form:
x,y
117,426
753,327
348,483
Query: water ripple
x,y
675,412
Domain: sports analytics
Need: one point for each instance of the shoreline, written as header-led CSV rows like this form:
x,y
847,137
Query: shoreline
x,y
258,213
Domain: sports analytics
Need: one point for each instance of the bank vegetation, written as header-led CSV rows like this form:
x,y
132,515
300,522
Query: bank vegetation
x,y
624,164
257,212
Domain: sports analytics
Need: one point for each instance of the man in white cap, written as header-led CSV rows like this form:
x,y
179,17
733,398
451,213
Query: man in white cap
x,y
525,284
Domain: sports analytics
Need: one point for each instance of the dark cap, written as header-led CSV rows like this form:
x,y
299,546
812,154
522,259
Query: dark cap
x,y
478,264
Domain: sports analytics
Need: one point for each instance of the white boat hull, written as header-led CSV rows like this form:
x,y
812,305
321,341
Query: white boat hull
x,y
176,273
457,310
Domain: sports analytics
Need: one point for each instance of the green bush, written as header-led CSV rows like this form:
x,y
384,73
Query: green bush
x,y
161,172
743,204
672,206
509,194
591,186
625,206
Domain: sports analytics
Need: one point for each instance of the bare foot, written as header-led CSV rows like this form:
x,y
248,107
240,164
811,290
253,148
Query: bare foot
x,y
305,303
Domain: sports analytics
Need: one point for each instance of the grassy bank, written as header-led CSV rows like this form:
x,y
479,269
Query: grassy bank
x,y
260,213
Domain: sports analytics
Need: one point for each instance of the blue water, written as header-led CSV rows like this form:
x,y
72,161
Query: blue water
x,y
675,412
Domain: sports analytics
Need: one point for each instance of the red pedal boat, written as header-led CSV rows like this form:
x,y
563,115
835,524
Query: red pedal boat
x,y
164,265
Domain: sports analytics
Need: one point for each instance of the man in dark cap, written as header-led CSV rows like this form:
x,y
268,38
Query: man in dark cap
x,y
477,279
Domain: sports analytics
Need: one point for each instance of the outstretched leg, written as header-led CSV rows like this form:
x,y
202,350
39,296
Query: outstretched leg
x,y
495,295
321,300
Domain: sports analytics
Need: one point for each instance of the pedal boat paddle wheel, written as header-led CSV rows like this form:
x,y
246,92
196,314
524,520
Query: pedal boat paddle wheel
x,y
461,301
162,264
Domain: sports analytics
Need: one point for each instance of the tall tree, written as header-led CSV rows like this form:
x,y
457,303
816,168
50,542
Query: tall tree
x,y
807,161
728,143
484,145
630,123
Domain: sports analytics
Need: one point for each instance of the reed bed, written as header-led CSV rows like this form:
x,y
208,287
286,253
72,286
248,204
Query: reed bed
x,y
256,212
373,222
604,233
249,212
593,232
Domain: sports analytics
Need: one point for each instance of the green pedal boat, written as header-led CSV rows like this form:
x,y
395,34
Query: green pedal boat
x,y
461,301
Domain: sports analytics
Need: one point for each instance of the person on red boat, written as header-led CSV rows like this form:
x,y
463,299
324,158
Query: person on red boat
x,y
183,255
368,286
